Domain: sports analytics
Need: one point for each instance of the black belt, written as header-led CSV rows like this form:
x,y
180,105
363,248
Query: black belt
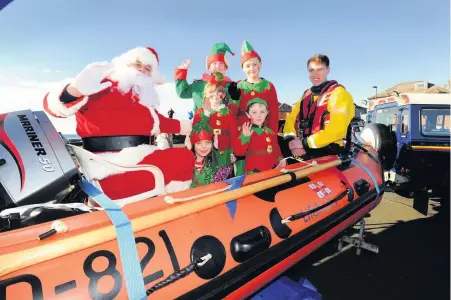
x,y
114,143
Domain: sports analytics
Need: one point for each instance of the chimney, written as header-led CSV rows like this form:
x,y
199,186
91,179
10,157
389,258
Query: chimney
x,y
421,85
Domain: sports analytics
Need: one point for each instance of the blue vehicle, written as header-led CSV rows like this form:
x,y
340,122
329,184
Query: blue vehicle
x,y
411,133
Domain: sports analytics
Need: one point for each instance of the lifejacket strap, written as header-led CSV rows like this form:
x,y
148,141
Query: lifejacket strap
x,y
305,144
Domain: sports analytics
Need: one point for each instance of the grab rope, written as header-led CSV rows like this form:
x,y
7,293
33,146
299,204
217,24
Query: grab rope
x,y
180,274
172,200
309,212
313,163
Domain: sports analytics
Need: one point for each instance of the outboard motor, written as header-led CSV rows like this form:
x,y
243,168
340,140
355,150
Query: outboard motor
x,y
35,164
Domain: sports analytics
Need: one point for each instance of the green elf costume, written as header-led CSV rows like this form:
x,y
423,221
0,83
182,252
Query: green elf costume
x,y
195,90
261,149
206,171
223,123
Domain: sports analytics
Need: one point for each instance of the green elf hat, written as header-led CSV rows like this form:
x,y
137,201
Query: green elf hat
x,y
248,52
217,53
256,100
201,132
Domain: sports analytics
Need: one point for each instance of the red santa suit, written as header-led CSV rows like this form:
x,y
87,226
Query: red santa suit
x,y
112,116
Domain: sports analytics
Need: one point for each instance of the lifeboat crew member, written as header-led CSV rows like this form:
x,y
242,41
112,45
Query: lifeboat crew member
x,y
321,119
257,142
115,107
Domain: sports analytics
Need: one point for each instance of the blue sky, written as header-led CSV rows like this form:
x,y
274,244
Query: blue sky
x,y
369,43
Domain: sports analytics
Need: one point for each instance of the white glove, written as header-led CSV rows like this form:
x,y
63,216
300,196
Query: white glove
x,y
162,141
188,142
88,81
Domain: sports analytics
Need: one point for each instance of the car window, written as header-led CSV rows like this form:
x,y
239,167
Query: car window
x,y
387,116
405,122
435,121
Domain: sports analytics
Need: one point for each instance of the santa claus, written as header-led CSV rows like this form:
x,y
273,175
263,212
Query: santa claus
x,y
115,105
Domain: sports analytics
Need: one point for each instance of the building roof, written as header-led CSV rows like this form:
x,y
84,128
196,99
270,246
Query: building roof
x,y
412,87
359,108
283,107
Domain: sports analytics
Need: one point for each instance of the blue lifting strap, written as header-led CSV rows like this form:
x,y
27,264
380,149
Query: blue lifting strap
x,y
378,191
127,248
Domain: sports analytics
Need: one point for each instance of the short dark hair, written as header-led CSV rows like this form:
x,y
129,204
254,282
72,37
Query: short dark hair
x,y
319,59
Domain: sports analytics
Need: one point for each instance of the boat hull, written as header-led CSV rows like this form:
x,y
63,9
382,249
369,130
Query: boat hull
x,y
249,245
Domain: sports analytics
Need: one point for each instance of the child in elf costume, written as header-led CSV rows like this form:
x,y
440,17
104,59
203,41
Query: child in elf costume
x,y
205,169
257,142
216,62
220,118
252,87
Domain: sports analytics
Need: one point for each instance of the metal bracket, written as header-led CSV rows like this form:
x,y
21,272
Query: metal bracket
x,y
358,242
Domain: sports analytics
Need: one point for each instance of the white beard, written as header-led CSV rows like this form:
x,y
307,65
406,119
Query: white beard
x,y
129,79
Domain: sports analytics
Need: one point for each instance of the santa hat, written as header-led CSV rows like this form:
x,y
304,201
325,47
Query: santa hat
x,y
257,100
147,56
217,53
248,52
201,132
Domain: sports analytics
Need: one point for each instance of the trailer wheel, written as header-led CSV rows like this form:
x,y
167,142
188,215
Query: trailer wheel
x,y
383,141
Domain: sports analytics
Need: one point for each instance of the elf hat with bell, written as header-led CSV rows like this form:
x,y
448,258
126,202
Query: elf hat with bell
x,y
247,52
201,132
256,100
217,53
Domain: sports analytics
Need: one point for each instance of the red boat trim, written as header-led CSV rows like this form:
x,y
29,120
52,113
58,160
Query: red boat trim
x,y
232,280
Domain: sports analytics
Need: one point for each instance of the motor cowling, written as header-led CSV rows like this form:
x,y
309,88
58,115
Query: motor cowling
x,y
36,163
383,140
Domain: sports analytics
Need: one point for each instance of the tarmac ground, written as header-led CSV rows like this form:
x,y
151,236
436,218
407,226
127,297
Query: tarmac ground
x,y
413,260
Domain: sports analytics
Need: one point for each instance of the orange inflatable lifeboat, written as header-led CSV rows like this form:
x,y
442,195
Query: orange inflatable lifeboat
x,y
225,240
